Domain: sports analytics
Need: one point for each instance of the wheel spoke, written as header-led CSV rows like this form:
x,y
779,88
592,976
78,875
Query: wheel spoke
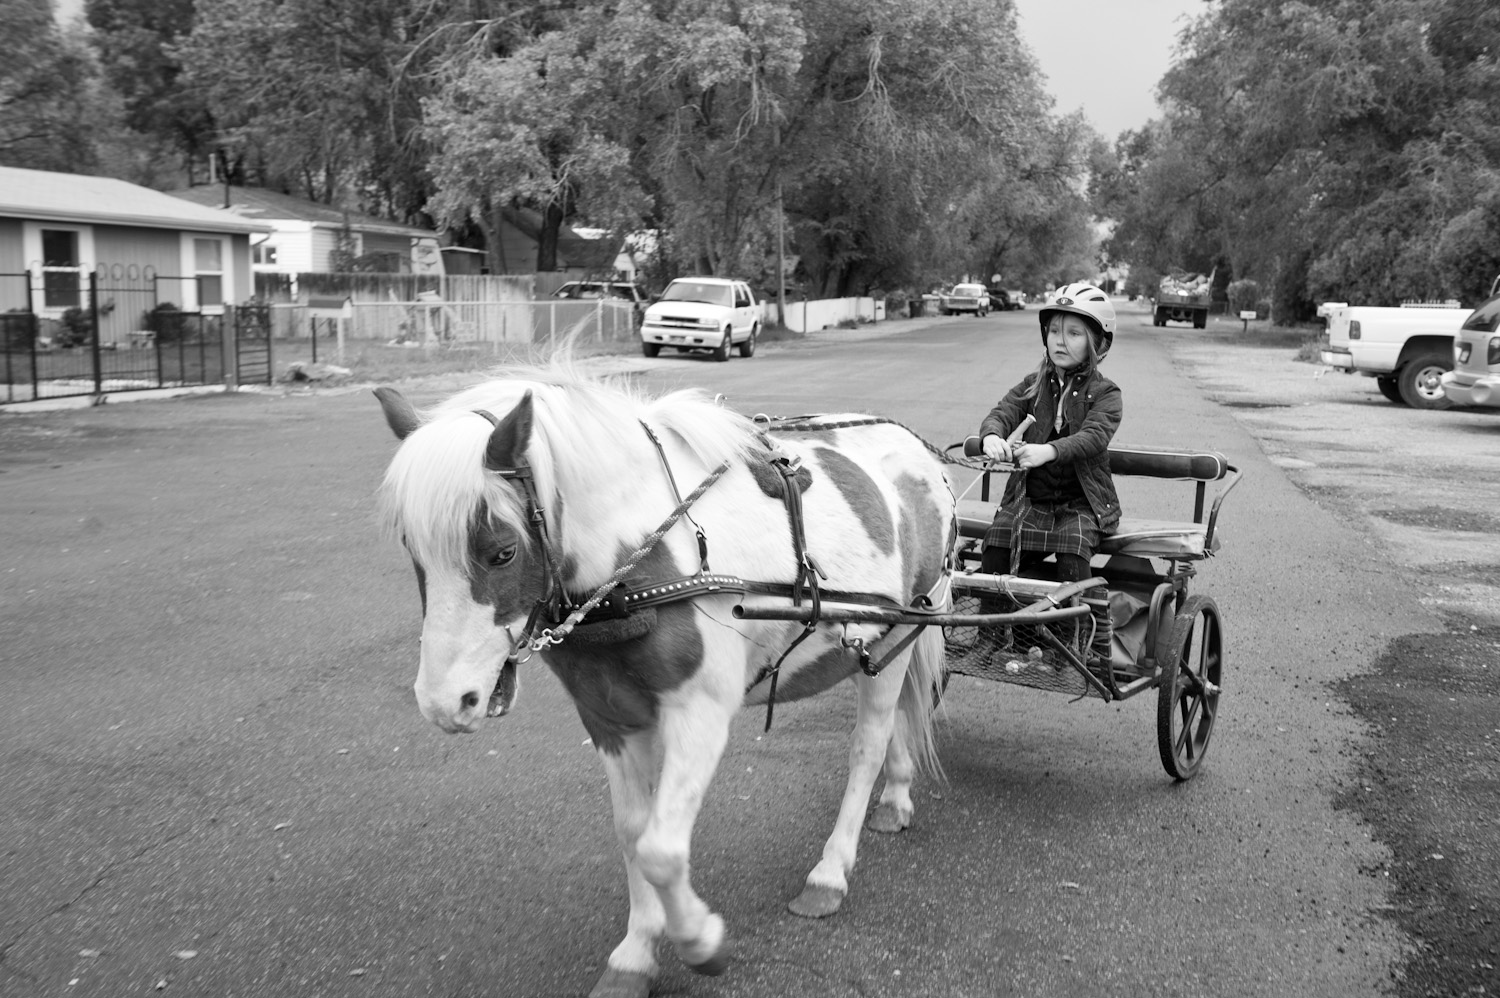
x,y
1181,742
1190,705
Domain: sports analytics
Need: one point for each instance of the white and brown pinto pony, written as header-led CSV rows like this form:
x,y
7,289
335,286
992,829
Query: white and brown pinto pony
x,y
657,697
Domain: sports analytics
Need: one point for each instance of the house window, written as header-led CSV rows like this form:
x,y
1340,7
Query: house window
x,y
208,268
264,254
62,270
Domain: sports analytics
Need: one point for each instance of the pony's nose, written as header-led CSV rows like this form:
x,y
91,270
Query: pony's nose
x,y
453,713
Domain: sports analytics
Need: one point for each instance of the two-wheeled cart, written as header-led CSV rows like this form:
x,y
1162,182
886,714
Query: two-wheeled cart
x,y
1038,632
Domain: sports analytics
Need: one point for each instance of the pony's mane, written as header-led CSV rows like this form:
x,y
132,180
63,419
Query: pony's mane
x,y
584,430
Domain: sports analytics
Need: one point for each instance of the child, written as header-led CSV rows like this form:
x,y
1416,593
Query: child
x,y
1063,498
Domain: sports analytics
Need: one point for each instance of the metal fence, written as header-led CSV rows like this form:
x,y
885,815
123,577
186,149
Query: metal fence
x,y
123,337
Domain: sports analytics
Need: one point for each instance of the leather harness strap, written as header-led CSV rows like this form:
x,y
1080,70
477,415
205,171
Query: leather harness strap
x,y
615,599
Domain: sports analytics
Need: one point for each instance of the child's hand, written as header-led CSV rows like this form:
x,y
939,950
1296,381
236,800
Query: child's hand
x,y
1034,455
995,447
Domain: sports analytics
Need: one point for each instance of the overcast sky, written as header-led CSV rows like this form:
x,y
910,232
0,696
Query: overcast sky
x,y
1105,56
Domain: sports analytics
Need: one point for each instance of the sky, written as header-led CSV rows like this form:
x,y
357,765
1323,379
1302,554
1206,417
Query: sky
x,y
1105,56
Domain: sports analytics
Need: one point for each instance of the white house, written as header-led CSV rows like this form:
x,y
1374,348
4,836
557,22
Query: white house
x,y
306,236
59,231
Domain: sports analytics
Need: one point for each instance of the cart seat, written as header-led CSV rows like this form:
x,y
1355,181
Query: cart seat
x,y
1180,539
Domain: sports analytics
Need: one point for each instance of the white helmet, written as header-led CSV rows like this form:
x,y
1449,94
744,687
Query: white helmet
x,y
1088,301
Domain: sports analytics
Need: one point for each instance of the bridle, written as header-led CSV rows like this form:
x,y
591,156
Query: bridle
x,y
554,614
554,597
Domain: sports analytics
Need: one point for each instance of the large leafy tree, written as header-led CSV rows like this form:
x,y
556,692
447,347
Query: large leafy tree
x,y
873,126
527,116
1327,148
910,121
308,95
51,109
136,44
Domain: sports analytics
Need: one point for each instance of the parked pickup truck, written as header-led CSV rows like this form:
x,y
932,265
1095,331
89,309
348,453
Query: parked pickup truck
x,y
1182,299
1406,350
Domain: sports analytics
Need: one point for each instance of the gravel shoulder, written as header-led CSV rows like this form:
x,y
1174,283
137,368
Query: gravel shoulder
x,y
1422,486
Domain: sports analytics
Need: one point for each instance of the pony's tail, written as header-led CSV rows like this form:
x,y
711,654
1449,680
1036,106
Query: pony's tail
x,y
923,690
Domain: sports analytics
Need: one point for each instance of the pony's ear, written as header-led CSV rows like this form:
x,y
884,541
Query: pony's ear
x,y
510,437
399,414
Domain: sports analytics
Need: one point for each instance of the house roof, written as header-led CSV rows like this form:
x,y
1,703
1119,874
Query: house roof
x,y
270,206
42,195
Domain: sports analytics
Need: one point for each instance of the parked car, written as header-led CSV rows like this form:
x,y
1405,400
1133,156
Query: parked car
x,y
605,289
966,298
1406,350
1475,378
1007,300
703,313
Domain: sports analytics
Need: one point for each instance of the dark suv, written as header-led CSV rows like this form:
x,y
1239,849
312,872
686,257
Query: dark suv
x,y
605,289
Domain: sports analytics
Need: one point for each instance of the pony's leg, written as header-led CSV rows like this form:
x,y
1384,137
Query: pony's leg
x,y
632,965
893,813
875,720
693,733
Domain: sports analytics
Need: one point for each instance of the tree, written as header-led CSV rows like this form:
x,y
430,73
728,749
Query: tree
x,y
872,126
530,128
136,43
50,104
1326,148
306,96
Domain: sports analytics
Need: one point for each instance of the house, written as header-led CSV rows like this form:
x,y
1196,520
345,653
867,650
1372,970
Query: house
x,y
578,255
61,233
310,237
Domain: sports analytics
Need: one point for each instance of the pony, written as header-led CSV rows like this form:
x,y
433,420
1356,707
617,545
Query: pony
x,y
518,498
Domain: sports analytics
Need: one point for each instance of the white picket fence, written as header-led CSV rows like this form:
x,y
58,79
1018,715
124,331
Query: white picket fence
x,y
437,322
810,316
443,323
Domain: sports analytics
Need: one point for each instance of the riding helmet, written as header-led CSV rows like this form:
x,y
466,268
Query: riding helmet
x,y
1084,299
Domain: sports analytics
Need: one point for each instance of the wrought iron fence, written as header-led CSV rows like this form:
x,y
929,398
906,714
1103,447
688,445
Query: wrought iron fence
x,y
125,335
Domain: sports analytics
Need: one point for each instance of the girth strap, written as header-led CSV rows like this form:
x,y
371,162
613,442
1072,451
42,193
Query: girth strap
x,y
808,571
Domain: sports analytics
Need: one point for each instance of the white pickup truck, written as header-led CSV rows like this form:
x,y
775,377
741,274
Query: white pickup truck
x,y
1406,350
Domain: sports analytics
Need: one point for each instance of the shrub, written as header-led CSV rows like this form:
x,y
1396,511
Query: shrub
x,y
17,330
1243,296
169,323
76,329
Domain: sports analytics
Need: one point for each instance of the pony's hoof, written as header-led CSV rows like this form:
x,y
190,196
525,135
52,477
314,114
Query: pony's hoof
x,y
889,819
817,902
622,984
716,964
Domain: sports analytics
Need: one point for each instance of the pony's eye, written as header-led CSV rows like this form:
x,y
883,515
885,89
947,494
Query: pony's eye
x,y
503,557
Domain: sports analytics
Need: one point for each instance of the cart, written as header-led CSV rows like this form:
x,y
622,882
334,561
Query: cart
x,y
1164,638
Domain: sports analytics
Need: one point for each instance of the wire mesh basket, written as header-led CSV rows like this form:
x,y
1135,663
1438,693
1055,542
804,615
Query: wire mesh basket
x,y
1019,653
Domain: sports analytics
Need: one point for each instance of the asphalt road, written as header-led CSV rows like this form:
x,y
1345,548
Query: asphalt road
x,y
209,745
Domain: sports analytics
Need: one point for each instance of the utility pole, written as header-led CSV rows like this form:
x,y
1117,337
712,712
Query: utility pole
x,y
780,236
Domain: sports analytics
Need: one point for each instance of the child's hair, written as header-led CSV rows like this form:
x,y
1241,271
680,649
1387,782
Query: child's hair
x,y
1046,368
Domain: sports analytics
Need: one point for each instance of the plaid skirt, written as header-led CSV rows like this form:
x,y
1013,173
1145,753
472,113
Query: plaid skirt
x,y
1066,528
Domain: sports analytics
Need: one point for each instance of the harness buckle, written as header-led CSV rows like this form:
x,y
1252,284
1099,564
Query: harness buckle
x,y
858,646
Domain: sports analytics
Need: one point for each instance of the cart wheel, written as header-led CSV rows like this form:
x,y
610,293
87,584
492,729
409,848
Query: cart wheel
x,y
1192,663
